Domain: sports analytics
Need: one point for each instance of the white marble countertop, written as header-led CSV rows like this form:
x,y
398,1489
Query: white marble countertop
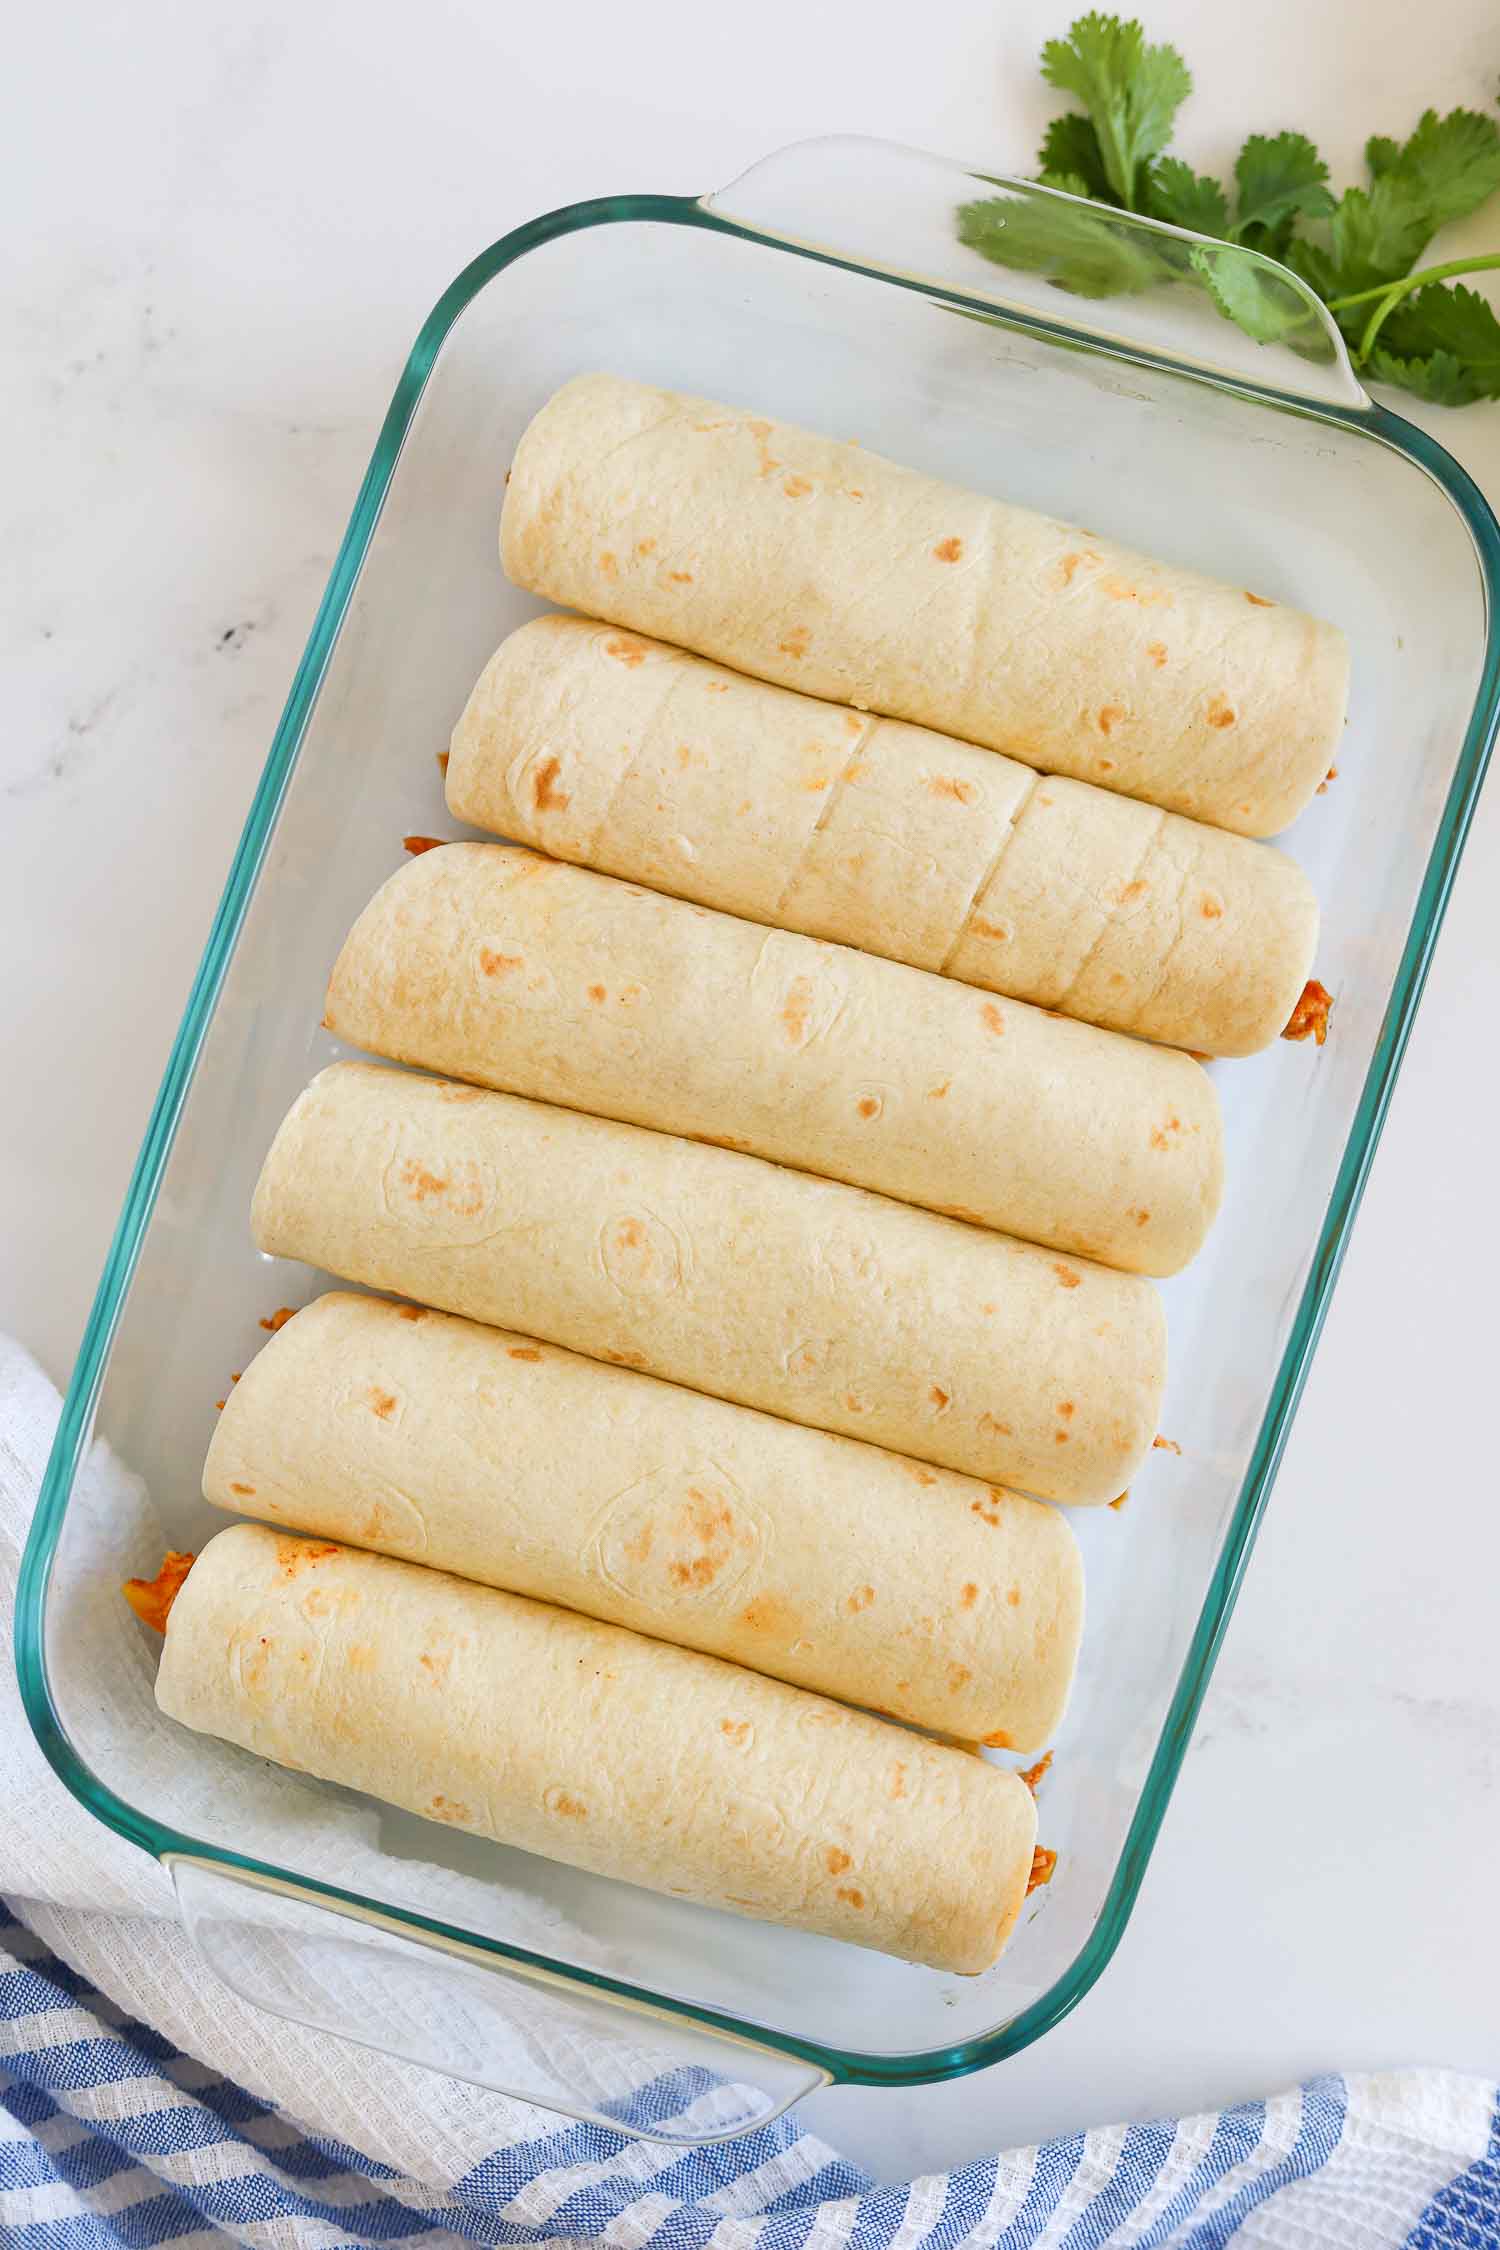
x,y
222,233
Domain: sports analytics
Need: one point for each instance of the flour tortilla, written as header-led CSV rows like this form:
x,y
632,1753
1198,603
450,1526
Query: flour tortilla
x,y
534,1727
821,1561
801,1297
819,566
620,753
487,962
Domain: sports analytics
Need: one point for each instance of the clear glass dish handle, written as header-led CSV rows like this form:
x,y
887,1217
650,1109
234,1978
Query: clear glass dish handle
x,y
1110,279
521,2031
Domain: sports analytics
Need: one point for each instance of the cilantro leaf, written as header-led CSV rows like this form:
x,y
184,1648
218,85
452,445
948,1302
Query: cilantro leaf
x,y
1450,324
1132,93
1263,304
1442,380
1449,166
1278,178
1377,233
1070,150
1188,199
1076,250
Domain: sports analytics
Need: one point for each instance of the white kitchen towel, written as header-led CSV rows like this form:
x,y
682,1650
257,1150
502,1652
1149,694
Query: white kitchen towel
x,y
141,2102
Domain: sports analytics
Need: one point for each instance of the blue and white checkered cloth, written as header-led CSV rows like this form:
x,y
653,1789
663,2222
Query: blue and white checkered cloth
x,y
109,2136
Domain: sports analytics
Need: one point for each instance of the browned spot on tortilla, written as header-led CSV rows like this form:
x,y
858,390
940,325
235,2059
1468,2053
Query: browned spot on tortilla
x,y
999,1740
795,641
1140,1217
361,1657
1220,713
626,651
1210,908
918,1473
382,1403
796,488
1160,1444
854,1898
645,546
854,1405
835,1860
625,1359
896,1786
995,1428
987,1511
420,1183
1105,765
499,964
629,1234
449,1809
737,1731
1066,1408
1110,715
991,1018
815,782
545,796
522,1351
948,550
1158,1137
566,1807
438,1662
796,1008
419,844
764,1615
1070,563
939,1397
968,1595
596,993
1013,1597
1157,651
945,785
959,1677
939,1093
869,1107
245,1491
448,1092
1259,600
1060,1437
680,577
608,563
1067,1278
296,1555
982,928
861,1598
411,1312
278,1319
701,1571
1128,891
717,687
1043,1867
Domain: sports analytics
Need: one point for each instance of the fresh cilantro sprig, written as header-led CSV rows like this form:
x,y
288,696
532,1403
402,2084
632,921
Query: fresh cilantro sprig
x,y
1358,251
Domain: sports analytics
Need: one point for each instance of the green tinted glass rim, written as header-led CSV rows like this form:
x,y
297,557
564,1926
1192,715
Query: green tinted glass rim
x,y
1372,422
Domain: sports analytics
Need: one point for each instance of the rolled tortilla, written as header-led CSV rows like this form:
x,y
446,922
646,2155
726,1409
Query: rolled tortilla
x,y
799,1296
485,962
626,755
827,1563
825,568
597,1747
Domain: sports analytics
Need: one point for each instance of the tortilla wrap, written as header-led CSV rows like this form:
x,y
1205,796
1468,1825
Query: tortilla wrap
x,y
802,1297
821,1561
597,1747
623,754
486,962
822,567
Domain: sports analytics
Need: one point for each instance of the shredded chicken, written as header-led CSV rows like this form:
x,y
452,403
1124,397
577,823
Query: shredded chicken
x,y
1033,1774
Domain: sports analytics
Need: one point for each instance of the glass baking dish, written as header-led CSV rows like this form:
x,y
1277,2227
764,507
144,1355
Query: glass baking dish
x,y
824,287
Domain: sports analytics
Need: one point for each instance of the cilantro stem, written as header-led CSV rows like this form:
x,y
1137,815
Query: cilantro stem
x,y
1390,294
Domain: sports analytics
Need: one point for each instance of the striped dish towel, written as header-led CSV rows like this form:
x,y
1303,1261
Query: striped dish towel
x,y
142,2104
